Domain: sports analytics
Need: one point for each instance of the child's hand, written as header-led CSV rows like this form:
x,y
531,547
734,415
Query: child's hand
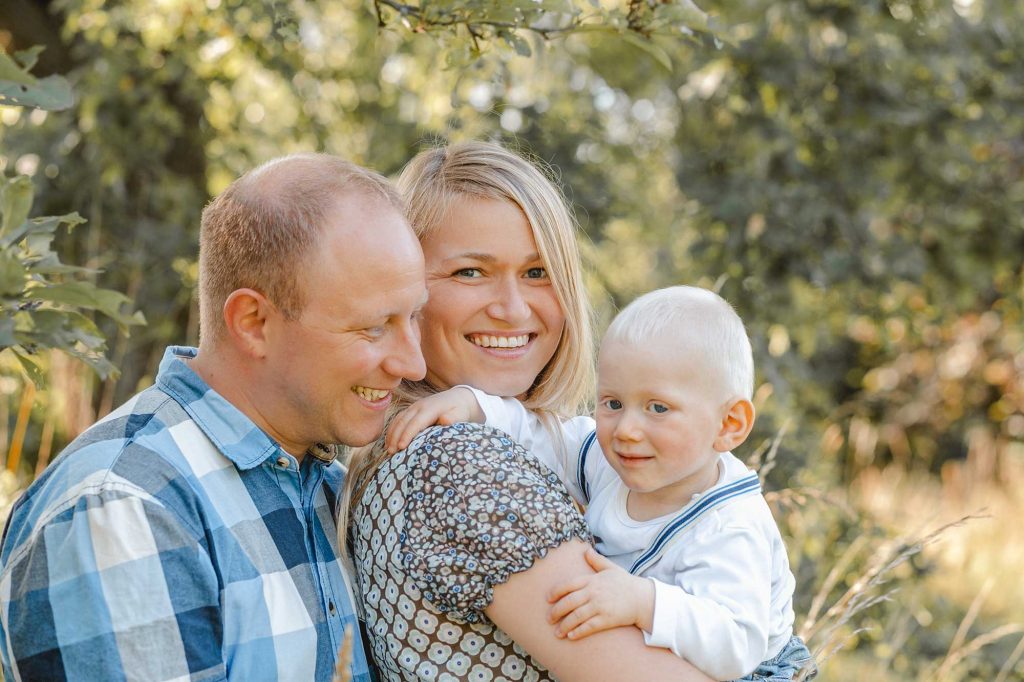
x,y
448,407
609,598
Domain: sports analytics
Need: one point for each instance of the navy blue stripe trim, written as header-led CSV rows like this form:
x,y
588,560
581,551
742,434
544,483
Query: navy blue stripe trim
x,y
749,484
581,465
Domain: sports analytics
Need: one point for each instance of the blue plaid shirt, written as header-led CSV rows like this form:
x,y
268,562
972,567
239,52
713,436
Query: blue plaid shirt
x,y
174,540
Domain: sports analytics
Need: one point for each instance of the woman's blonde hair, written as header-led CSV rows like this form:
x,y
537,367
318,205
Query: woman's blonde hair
x,y
430,183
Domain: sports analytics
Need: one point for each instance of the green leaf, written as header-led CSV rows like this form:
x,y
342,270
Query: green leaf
x,y
87,296
61,330
50,265
517,43
659,55
103,367
12,273
7,332
80,295
28,58
38,244
52,93
11,71
45,225
28,363
683,13
15,202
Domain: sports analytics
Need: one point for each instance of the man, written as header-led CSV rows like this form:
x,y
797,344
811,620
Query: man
x,y
190,535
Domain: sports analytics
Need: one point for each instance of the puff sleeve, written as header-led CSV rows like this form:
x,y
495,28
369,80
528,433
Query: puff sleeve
x,y
478,510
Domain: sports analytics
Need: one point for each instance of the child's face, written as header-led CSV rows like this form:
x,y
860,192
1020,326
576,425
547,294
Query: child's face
x,y
658,417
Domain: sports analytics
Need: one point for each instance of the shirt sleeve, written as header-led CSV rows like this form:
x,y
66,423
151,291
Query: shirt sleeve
x,y
558,447
716,614
479,509
114,587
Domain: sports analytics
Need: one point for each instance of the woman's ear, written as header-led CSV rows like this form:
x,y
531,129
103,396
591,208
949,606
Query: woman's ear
x,y
247,313
736,425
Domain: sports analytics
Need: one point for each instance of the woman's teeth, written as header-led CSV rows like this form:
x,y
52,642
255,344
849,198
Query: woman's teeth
x,y
371,394
486,341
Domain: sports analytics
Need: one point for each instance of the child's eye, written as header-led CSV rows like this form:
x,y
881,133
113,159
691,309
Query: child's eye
x,y
658,408
612,403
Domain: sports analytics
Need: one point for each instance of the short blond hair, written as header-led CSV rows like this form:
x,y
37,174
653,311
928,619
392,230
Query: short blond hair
x,y
434,179
702,322
256,233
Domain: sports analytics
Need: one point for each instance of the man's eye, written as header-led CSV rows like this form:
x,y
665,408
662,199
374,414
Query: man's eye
x,y
468,273
536,273
658,408
375,331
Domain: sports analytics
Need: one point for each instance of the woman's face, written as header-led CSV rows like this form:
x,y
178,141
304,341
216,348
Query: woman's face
x,y
492,320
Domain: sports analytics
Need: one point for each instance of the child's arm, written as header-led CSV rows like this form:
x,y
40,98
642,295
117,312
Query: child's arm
x,y
717,612
715,616
447,407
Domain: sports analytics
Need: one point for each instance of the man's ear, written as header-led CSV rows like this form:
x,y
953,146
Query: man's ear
x,y
247,313
736,425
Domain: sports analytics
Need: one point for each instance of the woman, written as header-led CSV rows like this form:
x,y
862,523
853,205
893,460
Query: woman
x,y
459,539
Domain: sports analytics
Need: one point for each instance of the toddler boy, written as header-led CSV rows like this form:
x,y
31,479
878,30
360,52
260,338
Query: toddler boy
x,y
687,549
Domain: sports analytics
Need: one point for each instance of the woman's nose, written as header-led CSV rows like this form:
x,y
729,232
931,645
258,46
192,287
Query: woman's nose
x,y
509,304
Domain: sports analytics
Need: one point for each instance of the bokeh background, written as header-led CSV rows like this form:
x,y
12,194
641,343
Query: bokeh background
x,y
849,174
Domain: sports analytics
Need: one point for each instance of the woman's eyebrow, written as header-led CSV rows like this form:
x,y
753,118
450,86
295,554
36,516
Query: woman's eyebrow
x,y
473,255
487,257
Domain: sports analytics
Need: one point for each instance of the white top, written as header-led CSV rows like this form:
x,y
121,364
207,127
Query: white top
x,y
723,588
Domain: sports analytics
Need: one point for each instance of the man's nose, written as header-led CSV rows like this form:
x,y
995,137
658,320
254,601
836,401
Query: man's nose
x,y
406,359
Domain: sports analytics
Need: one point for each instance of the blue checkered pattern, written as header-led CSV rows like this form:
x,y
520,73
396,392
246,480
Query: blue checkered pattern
x,y
175,541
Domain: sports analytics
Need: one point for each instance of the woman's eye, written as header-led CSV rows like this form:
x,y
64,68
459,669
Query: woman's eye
x,y
468,273
658,408
536,273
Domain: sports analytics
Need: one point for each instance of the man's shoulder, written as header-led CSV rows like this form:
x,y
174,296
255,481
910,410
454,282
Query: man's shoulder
x,y
135,451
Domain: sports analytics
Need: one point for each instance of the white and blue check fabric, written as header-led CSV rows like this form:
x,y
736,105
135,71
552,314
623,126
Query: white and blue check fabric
x,y
174,540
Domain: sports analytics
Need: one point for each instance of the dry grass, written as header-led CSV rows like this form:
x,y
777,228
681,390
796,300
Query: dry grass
x,y
343,668
974,553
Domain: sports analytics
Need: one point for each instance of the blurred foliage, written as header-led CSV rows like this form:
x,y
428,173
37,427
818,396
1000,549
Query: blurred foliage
x,y
44,302
849,174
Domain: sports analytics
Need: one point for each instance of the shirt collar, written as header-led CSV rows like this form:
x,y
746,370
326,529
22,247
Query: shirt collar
x,y
235,435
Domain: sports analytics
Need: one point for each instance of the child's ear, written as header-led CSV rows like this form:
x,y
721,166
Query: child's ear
x,y
736,425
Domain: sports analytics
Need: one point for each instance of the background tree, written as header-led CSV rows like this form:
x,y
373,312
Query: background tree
x,y
849,175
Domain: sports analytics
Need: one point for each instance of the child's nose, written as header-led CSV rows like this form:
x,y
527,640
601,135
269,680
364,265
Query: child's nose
x,y
627,428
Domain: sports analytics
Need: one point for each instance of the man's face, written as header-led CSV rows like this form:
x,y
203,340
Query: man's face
x,y
357,337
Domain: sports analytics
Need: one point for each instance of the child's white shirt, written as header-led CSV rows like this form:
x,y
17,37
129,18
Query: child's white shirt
x,y
723,589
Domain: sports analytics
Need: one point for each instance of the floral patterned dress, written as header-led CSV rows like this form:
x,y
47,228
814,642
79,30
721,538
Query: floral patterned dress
x,y
461,510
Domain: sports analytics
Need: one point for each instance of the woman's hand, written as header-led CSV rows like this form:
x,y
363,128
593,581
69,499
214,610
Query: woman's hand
x,y
606,599
447,407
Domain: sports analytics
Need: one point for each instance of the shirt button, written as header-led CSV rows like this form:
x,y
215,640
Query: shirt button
x,y
282,462
330,606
